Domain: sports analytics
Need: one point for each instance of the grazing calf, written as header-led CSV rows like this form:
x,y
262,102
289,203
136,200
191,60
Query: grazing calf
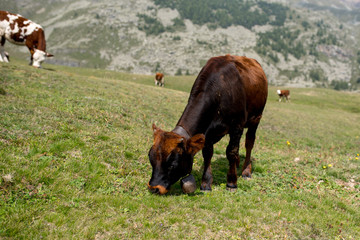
x,y
159,79
283,94
21,31
228,95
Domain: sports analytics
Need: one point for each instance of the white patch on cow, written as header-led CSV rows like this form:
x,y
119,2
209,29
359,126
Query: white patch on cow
x,y
12,18
32,27
38,57
16,28
278,91
3,25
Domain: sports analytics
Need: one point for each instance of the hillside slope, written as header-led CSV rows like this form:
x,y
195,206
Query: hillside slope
x,y
314,43
74,165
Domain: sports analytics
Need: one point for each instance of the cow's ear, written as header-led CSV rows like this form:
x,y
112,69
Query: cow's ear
x,y
195,144
155,129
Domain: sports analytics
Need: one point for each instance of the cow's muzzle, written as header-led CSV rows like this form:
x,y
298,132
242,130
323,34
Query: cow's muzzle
x,y
157,189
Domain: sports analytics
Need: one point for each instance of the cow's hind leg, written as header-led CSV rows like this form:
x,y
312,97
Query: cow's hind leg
x,y
232,154
3,57
207,178
249,144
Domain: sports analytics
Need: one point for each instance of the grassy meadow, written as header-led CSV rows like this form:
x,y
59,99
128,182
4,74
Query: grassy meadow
x,y
74,165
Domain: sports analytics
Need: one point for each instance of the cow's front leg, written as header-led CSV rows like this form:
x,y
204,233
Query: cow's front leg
x,y
207,178
232,154
31,60
32,51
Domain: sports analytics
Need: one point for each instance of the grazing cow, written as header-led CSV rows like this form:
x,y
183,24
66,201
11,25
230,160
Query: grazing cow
x,y
228,95
283,94
21,31
159,79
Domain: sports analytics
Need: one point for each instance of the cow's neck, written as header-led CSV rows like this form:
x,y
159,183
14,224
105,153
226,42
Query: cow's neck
x,y
41,45
195,119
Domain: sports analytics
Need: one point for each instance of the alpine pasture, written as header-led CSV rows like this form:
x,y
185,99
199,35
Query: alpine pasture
x,y
74,165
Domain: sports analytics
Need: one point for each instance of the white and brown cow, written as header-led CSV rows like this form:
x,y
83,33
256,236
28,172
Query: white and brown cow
x,y
283,94
21,31
159,79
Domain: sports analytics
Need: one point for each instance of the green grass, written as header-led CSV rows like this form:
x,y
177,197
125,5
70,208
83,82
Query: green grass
x,y
73,162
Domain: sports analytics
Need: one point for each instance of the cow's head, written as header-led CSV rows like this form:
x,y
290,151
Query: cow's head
x,y
171,158
39,57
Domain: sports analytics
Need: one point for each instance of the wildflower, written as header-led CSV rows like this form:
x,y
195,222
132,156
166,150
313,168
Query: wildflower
x,y
358,155
324,167
356,158
330,165
288,143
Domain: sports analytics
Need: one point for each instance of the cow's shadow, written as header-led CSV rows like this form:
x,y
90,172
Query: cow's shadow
x,y
219,166
48,69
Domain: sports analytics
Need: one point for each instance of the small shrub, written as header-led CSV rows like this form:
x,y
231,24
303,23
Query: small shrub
x,y
178,72
340,85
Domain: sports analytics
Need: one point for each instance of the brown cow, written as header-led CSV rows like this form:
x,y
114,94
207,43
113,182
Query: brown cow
x,y
283,94
21,31
159,79
228,95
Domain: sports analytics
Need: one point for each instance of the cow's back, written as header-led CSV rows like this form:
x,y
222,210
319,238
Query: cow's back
x,y
3,15
236,86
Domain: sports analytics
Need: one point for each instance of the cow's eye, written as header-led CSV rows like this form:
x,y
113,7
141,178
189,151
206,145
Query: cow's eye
x,y
171,161
171,157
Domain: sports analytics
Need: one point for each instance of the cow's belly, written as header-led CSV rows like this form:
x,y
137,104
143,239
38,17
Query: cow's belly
x,y
216,131
14,36
17,42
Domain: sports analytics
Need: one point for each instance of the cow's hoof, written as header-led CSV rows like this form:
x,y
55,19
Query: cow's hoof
x,y
231,187
245,177
205,188
188,184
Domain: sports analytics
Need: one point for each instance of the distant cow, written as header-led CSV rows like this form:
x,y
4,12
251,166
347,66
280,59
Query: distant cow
x,y
228,95
21,31
283,94
159,79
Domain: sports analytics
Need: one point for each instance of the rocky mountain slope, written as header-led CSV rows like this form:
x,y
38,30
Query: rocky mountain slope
x,y
316,44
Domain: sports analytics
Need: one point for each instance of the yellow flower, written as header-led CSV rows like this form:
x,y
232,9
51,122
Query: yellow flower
x,y
288,143
324,167
358,155
330,165
356,158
